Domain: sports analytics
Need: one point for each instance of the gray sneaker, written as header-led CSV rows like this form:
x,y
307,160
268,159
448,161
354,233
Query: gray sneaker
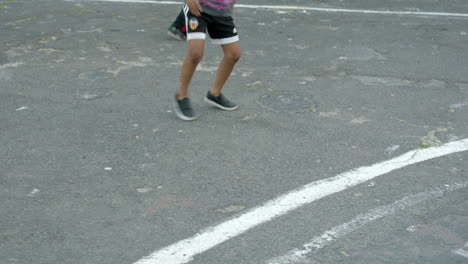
x,y
176,33
220,101
184,110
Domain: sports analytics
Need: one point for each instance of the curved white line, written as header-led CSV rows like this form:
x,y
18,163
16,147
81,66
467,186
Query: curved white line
x,y
328,237
184,250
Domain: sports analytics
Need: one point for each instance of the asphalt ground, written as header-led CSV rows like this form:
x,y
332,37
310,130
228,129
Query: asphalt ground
x,y
96,168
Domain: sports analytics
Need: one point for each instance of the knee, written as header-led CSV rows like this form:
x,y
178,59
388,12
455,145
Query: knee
x,y
233,56
195,56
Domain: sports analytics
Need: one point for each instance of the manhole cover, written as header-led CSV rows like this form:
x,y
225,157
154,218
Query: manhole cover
x,y
286,102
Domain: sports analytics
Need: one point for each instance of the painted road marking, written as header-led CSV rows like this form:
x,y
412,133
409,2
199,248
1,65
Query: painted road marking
x,y
184,250
335,233
460,252
306,8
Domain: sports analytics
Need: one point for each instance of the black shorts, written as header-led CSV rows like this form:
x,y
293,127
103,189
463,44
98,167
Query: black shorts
x,y
221,29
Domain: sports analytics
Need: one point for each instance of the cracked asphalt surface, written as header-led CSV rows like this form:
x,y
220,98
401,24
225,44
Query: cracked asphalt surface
x,y
96,168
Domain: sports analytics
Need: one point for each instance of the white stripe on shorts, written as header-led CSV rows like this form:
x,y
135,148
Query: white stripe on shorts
x,y
196,35
186,9
225,41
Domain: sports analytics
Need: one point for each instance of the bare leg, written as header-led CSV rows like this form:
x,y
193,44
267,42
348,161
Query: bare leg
x,y
232,53
191,61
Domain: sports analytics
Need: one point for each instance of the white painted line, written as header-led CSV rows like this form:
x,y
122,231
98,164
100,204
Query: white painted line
x,y
11,65
300,8
21,108
460,252
360,11
335,233
184,250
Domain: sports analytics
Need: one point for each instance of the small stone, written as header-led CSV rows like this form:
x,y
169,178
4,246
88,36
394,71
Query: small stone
x,y
145,189
33,192
22,108
249,117
254,84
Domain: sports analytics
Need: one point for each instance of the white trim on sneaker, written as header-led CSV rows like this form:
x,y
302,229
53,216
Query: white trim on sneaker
x,y
211,102
179,113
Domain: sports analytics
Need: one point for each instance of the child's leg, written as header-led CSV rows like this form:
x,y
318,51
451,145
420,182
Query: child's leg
x,y
232,54
177,29
180,20
194,55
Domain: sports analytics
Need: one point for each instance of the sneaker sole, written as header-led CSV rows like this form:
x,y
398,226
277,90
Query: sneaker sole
x,y
182,116
175,36
210,102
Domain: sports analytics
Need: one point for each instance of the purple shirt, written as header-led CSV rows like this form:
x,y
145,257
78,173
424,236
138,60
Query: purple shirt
x,y
218,7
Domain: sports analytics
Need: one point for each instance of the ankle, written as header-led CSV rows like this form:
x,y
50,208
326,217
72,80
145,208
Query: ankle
x,y
215,94
180,96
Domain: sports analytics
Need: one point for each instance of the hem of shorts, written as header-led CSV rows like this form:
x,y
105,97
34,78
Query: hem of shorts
x,y
196,36
225,40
